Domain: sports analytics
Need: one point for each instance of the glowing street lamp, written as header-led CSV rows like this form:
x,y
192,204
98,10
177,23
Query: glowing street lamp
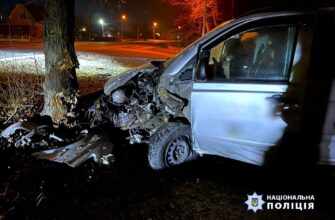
x,y
83,29
123,19
101,21
154,25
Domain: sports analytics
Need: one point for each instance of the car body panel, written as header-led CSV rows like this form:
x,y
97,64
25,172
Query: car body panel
x,y
236,120
327,145
96,147
120,80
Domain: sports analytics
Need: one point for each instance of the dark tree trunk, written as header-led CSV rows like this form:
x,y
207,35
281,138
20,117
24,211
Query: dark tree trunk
x,y
60,84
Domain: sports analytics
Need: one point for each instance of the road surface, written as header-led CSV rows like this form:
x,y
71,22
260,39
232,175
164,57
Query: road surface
x,y
95,58
147,49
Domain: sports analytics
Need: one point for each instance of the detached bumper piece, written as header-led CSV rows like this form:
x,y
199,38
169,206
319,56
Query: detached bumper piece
x,y
96,147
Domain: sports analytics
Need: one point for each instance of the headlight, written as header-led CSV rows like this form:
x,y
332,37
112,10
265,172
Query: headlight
x,y
119,97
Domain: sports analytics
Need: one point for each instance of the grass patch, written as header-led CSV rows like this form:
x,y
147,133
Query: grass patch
x,y
90,64
21,81
21,95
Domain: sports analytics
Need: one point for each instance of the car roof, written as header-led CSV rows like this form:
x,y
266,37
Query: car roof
x,y
288,8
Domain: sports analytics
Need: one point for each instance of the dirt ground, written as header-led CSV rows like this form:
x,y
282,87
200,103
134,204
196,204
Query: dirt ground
x,y
209,188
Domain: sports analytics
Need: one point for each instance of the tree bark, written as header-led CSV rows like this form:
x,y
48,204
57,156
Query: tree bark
x,y
60,84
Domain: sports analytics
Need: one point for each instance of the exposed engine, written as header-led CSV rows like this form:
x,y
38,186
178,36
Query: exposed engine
x,y
139,107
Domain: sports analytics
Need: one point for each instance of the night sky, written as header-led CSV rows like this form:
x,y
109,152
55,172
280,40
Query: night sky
x,y
139,12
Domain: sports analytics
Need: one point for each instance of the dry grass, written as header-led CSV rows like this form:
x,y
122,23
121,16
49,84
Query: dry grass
x,y
21,95
90,84
21,83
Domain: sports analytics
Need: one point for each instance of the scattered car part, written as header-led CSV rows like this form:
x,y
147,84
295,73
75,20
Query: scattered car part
x,y
96,147
22,125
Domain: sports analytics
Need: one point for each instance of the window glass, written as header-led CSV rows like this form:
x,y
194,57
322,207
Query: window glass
x,y
259,54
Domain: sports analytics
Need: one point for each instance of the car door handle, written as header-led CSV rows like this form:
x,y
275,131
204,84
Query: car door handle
x,y
284,104
280,99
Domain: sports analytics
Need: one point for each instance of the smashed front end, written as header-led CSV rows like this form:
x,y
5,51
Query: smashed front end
x,y
135,103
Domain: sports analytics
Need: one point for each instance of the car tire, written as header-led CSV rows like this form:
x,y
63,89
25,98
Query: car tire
x,y
170,146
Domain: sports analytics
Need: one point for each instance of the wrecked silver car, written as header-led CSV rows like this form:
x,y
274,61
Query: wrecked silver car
x,y
238,92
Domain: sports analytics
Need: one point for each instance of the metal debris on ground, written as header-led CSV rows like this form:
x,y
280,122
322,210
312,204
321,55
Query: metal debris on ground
x,y
72,146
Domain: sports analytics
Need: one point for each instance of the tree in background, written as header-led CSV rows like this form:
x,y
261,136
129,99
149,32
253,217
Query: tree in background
x,y
60,85
193,13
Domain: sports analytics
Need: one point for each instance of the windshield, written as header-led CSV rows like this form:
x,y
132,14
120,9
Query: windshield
x,y
189,47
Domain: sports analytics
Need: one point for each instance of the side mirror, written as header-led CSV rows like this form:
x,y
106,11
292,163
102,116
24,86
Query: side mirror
x,y
202,67
186,75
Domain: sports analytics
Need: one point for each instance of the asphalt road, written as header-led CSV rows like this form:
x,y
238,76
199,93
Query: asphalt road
x,y
145,49
95,58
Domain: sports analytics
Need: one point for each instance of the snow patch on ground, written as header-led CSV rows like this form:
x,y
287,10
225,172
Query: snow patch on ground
x,y
32,62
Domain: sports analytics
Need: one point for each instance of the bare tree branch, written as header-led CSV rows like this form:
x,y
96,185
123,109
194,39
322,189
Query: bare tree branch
x,y
192,13
110,3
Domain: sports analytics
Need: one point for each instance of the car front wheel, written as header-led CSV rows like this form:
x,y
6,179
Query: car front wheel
x,y
170,146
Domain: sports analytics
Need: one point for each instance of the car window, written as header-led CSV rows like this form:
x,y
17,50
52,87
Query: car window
x,y
258,54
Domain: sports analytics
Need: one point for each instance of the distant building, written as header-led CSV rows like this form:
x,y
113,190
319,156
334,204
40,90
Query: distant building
x,y
24,21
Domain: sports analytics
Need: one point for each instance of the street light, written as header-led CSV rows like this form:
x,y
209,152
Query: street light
x,y
83,29
153,29
9,31
123,19
101,21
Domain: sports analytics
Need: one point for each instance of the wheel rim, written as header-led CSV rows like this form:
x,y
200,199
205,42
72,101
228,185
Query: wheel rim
x,y
177,150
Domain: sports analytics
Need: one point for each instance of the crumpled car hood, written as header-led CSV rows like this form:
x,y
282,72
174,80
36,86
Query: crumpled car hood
x,y
123,78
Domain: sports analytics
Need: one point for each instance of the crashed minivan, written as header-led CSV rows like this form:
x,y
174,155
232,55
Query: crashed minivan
x,y
258,89
252,89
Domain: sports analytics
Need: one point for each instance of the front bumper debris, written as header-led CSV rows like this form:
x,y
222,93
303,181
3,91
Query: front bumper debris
x,y
96,147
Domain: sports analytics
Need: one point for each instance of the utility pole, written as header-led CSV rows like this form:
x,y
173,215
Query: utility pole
x,y
89,28
153,30
204,19
232,8
9,31
121,30
138,33
123,19
101,21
